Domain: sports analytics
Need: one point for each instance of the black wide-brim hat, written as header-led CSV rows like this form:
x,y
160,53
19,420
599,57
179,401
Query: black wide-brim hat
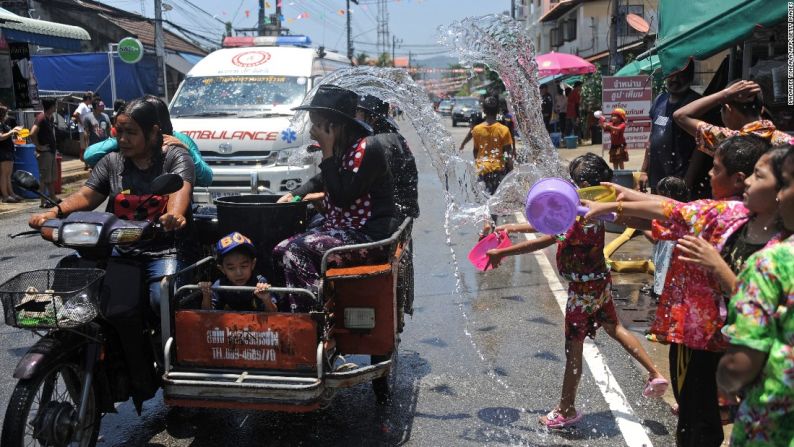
x,y
339,101
378,108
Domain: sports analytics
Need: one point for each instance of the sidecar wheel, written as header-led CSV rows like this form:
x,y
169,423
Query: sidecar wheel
x,y
41,407
384,386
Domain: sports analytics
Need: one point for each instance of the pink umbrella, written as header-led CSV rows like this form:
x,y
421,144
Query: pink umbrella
x,y
550,64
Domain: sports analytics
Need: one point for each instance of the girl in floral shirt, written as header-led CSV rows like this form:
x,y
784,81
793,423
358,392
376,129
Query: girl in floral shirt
x,y
580,260
714,238
760,330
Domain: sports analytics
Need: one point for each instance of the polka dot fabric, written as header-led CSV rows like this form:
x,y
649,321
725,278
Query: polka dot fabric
x,y
357,214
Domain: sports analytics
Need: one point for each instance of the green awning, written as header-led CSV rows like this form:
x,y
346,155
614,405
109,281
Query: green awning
x,y
639,67
699,29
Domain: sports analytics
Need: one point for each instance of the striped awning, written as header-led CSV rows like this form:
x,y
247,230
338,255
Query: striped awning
x,y
16,28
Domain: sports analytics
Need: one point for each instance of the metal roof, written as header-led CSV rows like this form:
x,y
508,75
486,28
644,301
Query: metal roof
x,y
144,30
11,21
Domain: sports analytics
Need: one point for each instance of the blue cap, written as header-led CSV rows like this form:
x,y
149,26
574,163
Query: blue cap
x,y
233,241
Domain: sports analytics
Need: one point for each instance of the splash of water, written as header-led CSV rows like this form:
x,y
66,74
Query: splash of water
x,y
501,44
396,87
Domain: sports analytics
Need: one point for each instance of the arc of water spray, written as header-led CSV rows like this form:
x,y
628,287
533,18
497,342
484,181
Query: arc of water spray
x,y
396,87
499,43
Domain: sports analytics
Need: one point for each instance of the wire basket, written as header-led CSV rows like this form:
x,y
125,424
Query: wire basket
x,y
52,298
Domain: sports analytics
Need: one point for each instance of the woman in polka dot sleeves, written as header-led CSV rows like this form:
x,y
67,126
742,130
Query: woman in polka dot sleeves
x,y
358,187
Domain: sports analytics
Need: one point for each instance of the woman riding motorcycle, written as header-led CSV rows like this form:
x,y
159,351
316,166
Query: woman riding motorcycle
x,y
126,177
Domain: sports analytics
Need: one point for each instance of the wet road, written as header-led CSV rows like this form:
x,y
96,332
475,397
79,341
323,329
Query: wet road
x,y
477,366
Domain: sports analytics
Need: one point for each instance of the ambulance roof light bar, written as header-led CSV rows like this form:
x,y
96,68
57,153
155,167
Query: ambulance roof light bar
x,y
266,41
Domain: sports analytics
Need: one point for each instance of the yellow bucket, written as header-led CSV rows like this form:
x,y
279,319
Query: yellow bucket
x,y
598,194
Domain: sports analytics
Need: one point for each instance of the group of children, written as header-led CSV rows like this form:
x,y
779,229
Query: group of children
x,y
703,246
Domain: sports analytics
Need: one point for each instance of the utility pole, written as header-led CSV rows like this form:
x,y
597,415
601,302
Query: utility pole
x,y
278,18
159,49
349,32
260,24
512,9
394,42
613,37
383,27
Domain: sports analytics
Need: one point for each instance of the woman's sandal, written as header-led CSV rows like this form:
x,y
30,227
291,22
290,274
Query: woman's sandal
x,y
655,387
555,419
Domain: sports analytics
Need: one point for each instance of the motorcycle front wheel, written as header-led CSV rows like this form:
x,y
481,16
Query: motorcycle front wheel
x,y
43,408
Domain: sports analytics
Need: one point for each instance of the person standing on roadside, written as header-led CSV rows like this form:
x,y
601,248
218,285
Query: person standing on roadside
x,y
546,106
79,115
560,106
671,150
759,362
43,135
97,124
7,135
572,109
741,104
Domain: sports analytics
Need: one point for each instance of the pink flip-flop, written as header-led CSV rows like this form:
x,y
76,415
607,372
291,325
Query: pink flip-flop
x,y
556,420
655,387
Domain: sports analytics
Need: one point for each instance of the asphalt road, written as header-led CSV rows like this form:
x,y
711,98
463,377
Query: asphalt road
x,y
479,362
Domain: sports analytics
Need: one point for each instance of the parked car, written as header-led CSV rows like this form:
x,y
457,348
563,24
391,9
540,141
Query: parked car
x,y
445,107
464,109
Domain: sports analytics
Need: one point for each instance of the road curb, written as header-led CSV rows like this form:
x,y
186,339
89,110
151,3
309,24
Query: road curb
x,y
29,207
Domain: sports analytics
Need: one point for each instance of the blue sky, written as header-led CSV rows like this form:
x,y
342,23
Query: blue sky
x,y
413,21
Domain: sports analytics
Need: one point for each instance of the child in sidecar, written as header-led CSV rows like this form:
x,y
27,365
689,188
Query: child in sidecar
x,y
236,257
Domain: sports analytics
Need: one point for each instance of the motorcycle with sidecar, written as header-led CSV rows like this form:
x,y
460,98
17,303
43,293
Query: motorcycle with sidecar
x,y
101,344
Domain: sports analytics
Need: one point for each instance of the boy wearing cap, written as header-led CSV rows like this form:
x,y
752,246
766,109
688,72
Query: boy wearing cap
x,y
236,260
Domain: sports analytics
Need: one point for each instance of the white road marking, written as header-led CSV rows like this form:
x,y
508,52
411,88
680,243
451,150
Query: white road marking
x,y
630,427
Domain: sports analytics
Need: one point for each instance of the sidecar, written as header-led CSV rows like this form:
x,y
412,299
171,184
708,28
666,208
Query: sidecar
x,y
292,362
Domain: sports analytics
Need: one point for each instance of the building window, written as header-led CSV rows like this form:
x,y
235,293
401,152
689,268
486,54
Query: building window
x,y
569,29
555,37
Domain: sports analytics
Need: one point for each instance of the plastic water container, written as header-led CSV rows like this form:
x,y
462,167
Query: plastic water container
x,y
571,141
264,221
478,256
25,159
622,177
556,138
553,204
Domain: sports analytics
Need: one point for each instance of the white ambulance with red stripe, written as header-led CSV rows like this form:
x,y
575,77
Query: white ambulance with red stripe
x,y
236,104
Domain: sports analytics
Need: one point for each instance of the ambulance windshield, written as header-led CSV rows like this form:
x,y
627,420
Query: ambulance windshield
x,y
242,96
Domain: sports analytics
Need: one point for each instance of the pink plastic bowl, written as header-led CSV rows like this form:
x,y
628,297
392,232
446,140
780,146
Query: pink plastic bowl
x,y
478,256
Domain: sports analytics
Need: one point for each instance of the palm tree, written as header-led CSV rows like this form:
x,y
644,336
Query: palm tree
x,y
362,58
384,60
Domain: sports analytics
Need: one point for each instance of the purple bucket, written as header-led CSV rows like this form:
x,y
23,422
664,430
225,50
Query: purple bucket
x,y
552,205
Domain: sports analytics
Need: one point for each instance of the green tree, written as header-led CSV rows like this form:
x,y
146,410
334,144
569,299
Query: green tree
x,y
362,58
384,60
591,98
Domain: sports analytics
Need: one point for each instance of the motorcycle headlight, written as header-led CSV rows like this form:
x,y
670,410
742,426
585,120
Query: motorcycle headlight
x,y
83,234
125,235
283,158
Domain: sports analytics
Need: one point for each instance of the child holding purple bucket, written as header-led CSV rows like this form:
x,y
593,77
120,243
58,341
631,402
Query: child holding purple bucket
x,y
580,260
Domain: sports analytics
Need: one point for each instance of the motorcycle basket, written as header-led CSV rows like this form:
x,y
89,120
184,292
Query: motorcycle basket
x,y
51,298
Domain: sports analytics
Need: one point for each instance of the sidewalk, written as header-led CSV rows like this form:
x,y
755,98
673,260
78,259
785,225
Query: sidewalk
x,y
72,176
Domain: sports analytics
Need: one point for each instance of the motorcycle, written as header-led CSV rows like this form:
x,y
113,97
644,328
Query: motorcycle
x,y
98,344
101,343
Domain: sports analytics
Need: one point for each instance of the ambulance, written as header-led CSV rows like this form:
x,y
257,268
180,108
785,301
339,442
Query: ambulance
x,y
236,104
